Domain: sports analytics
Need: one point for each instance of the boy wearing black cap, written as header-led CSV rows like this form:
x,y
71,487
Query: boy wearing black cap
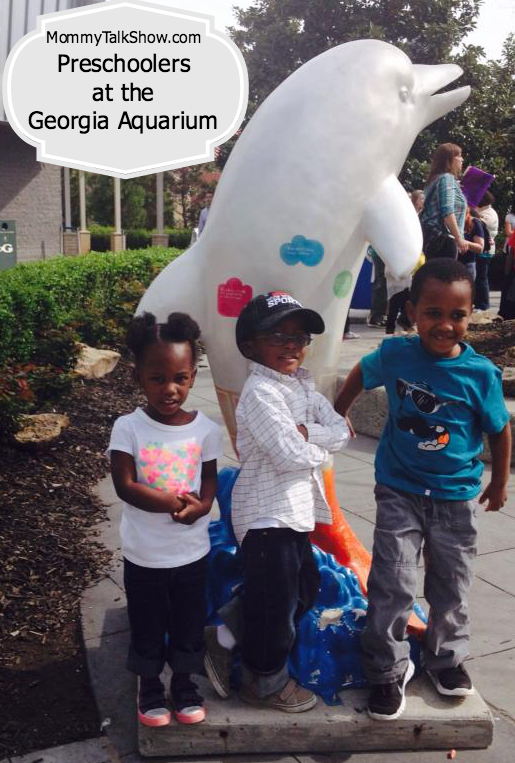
x,y
285,432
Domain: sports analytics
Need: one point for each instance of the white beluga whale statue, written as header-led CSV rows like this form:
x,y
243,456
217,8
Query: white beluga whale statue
x,y
312,179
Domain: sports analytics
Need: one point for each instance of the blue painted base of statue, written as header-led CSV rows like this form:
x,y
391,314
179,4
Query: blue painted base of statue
x,y
326,657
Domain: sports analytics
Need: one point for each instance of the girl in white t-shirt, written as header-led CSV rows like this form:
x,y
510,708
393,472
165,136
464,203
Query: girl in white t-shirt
x,y
163,464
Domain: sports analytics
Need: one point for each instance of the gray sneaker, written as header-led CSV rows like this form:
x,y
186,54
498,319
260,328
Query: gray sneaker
x,y
217,662
291,699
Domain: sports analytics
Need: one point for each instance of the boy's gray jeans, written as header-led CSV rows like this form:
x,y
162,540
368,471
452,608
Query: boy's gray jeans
x,y
448,529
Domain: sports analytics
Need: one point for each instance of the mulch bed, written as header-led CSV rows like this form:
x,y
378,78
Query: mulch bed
x,y
496,341
47,519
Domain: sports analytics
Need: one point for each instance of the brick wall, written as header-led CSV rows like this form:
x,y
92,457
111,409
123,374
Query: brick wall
x,y
30,194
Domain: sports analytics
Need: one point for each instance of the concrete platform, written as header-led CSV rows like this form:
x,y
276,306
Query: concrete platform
x,y
429,722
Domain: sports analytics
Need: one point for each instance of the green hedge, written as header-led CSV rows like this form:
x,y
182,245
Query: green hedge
x,y
137,239
46,307
86,293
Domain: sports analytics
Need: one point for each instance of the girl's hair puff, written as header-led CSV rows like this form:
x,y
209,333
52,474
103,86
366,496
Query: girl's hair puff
x,y
144,330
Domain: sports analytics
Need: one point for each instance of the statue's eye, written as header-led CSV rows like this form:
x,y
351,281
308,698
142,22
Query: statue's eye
x,y
404,94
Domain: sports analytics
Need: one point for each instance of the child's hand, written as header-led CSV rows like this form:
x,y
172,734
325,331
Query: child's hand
x,y
176,502
496,495
303,431
192,510
351,428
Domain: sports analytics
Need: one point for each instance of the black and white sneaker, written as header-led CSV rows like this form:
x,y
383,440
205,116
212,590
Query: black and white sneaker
x,y
387,701
452,682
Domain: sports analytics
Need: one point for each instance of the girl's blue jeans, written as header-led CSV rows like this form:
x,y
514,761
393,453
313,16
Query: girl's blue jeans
x,y
167,613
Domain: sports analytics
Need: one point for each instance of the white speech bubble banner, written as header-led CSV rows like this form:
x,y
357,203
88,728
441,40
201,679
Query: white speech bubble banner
x,y
125,88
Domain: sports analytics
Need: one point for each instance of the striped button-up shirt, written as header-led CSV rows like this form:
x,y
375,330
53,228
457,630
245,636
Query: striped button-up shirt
x,y
444,197
280,479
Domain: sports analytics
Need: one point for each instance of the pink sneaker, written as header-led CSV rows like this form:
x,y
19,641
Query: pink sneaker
x,y
187,703
152,710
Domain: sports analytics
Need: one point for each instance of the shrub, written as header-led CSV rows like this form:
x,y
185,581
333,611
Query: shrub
x,y
46,307
137,239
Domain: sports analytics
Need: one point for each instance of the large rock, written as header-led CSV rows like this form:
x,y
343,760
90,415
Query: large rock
x,y
485,317
41,428
93,364
508,381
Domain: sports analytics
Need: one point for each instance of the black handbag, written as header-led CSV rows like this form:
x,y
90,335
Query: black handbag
x,y
437,242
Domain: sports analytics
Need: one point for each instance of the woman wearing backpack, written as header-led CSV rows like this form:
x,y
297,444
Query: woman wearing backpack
x,y
490,220
507,306
475,236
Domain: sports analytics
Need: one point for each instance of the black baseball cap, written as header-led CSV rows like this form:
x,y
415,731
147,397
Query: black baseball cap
x,y
266,310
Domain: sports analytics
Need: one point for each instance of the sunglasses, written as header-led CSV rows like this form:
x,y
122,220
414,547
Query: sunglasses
x,y
425,401
278,339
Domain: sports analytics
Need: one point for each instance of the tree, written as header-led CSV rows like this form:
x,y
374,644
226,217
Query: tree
x,y
278,36
189,186
484,126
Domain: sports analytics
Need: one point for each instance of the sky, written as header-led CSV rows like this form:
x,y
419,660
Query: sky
x,y
496,21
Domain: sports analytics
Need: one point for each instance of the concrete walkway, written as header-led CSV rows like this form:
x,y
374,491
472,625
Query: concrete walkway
x,y
492,605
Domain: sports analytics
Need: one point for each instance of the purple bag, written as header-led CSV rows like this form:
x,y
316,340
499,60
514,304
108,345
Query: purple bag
x,y
474,184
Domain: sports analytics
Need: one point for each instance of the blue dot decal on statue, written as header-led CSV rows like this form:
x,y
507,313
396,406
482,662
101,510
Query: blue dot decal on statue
x,y
301,249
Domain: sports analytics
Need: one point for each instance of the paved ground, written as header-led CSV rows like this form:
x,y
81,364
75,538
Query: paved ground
x,y
492,604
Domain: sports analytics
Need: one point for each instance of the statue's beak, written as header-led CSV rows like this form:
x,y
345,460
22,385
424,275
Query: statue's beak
x,y
429,80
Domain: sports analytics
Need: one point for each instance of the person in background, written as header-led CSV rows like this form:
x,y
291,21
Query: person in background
x,y
398,288
204,212
490,220
445,205
347,333
377,316
509,223
418,198
507,306
475,237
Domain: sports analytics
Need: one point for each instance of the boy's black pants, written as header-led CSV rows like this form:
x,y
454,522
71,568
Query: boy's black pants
x,y
281,582
167,613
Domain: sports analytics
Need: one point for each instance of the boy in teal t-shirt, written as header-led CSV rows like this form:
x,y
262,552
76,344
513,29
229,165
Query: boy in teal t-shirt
x,y
442,396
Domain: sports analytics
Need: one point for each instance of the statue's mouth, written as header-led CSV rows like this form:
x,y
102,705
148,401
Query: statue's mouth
x,y
431,79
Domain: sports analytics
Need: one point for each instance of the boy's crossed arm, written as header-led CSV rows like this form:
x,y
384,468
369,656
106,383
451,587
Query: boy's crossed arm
x,y
276,433
329,429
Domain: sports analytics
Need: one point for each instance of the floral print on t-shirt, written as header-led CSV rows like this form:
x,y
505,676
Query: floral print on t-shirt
x,y
169,468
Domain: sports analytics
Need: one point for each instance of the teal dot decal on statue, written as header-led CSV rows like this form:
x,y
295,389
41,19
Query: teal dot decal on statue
x,y
342,283
302,249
